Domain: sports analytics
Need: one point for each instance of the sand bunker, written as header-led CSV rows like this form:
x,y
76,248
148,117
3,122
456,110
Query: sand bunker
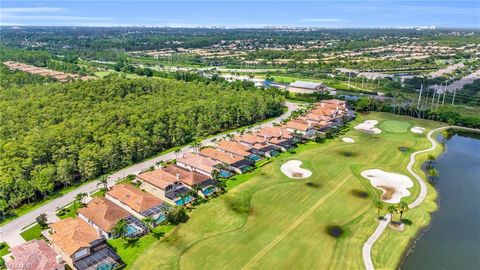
x,y
393,185
368,127
418,130
292,169
348,140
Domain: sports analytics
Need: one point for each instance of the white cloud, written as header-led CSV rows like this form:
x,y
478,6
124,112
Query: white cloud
x,y
324,20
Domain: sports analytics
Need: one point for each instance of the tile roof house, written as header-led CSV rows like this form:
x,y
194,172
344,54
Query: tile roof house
x,y
34,255
103,215
80,245
171,183
137,202
305,128
234,162
198,163
258,144
278,136
233,147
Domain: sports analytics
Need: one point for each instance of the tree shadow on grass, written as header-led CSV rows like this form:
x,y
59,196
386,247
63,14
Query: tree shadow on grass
x,y
407,221
131,243
335,231
313,184
359,193
158,235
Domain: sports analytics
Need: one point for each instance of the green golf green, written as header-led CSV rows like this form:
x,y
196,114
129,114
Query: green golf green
x,y
316,223
394,126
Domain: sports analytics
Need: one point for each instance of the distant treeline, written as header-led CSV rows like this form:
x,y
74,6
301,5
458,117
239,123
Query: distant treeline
x,y
53,135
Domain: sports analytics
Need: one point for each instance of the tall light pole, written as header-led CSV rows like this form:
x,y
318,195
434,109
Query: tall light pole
x,y
444,93
420,95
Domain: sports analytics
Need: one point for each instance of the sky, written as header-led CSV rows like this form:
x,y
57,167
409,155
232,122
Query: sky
x,y
242,14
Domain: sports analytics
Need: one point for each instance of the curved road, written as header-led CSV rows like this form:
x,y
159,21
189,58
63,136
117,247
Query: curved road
x,y
10,232
367,247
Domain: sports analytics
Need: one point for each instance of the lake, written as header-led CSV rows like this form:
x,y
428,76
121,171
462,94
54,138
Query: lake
x,y
453,239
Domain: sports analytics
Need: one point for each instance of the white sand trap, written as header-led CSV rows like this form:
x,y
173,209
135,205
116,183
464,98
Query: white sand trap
x,y
368,127
418,130
292,169
394,186
348,140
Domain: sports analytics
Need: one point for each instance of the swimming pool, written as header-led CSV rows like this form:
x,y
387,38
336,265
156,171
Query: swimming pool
x,y
254,158
225,174
207,191
160,219
184,201
131,230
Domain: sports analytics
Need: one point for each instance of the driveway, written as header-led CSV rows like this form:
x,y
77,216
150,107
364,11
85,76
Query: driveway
x,y
10,231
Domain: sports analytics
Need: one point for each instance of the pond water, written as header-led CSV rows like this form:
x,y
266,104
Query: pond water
x,y
453,239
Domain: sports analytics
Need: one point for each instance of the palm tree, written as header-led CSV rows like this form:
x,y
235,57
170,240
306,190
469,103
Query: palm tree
x,y
402,208
103,180
120,228
148,222
392,209
178,151
79,200
431,159
379,205
432,173
183,197
196,188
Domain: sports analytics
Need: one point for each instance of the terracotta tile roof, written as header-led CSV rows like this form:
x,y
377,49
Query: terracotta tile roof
x,y
158,178
221,156
317,117
172,173
197,161
72,234
134,198
298,125
324,111
186,176
276,140
250,138
234,147
274,132
34,255
104,213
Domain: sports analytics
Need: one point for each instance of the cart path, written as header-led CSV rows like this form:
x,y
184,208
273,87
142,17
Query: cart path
x,y
367,247
294,225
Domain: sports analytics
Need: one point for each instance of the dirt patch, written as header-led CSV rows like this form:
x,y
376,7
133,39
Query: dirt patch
x,y
387,195
297,175
335,231
359,193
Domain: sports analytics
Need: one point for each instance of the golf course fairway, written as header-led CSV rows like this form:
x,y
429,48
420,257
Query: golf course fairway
x,y
320,222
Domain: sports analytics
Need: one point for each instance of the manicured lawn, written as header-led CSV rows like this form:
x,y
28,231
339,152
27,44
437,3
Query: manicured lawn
x,y
395,126
4,249
34,232
274,220
68,212
129,251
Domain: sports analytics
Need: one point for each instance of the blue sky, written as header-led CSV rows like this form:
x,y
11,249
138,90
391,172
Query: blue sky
x,y
377,13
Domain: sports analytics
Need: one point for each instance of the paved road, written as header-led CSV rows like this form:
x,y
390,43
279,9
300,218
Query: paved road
x,y
367,247
10,232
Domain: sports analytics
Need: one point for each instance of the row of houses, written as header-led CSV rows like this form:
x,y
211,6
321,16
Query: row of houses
x,y
57,75
81,242
323,116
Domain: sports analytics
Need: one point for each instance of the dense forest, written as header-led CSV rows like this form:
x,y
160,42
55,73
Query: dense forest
x,y
53,135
